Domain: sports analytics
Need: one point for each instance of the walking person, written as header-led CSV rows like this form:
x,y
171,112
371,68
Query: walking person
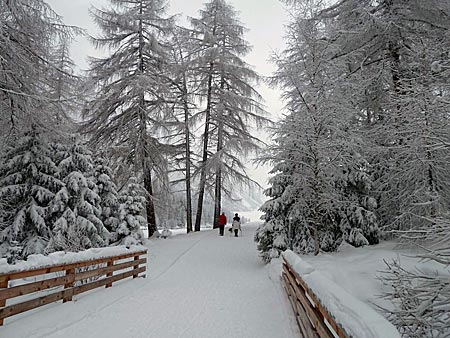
x,y
222,222
236,224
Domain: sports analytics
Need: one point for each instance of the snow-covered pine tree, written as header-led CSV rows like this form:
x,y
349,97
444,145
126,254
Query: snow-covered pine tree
x,y
133,84
232,104
132,203
107,191
28,184
76,208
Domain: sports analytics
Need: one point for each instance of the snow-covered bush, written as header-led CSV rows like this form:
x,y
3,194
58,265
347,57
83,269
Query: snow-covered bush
x,y
132,203
421,296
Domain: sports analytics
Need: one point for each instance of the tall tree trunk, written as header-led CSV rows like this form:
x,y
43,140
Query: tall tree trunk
x,y
218,188
188,158
201,189
146,170
150,208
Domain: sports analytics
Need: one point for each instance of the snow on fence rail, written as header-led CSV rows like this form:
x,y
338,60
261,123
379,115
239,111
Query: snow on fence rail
x,y
324,310
63,281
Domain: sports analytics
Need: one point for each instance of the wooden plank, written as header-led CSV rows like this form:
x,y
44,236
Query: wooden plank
x,y
302,318
24,289
70,273
64,267
109,269
3,286
314,317
321,309
32,304
109,274
90,286
41,301
136,266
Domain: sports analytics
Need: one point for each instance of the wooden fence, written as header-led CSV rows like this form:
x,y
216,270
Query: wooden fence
x,y
313,319
77,278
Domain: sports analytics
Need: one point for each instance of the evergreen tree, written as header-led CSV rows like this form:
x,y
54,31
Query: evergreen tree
x,y
132,203
107,192
28,184
133,85
76,208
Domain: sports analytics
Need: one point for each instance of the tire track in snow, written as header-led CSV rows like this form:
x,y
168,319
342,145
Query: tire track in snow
x,y
163,272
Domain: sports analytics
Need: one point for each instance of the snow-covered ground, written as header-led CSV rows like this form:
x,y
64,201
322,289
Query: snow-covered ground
x,y
358,270
198,285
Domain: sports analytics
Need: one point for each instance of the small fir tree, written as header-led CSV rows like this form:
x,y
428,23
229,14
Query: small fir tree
x,y
132,203
107,191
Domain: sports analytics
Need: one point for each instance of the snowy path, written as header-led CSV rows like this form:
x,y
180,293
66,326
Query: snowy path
x,y
198,285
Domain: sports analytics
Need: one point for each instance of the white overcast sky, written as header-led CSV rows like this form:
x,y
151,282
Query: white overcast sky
x,y
265,20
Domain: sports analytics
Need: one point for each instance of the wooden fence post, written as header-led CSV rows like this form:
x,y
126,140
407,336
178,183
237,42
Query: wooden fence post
x,y
69,285
135,267
3,285
109,274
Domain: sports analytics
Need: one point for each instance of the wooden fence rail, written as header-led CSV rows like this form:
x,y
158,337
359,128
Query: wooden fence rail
x,y
75,278
313,319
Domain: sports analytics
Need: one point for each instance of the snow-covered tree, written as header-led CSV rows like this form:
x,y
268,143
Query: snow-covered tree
x,y
132,203
107,191
320,194
393,52
232,104
28,31
183,89
28,184
132,84
76,208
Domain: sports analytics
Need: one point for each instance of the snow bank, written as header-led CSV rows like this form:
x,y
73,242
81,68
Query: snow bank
x,y
357,318
61,257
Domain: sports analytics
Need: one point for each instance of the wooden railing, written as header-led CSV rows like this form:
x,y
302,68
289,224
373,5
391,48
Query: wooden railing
x,y
313,319
75,278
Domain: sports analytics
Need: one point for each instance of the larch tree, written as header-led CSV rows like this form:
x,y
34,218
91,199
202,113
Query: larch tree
x,y
183,104
132,85
232,104
28,31
320,192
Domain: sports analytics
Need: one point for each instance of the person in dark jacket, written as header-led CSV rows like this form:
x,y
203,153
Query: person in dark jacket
x,y
236,224
222,222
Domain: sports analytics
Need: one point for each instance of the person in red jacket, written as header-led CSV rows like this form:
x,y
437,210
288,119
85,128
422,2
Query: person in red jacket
x,y
222,222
